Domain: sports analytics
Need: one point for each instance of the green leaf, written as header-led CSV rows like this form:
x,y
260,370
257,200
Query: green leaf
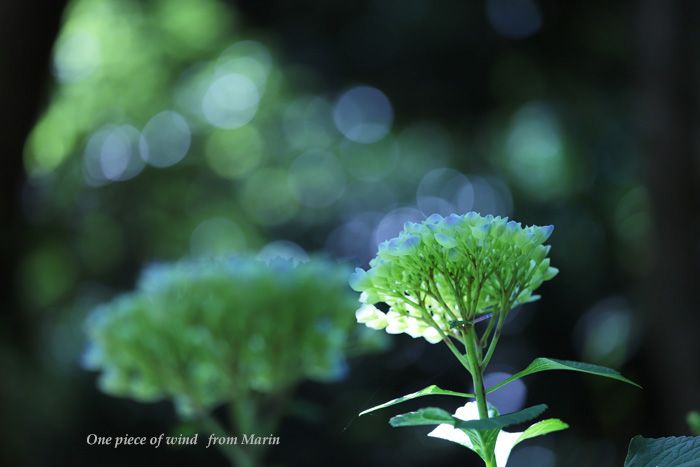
x,y
435,416
682,451
481,435
542,428
425,416
483,442
501,421
549,364
431,390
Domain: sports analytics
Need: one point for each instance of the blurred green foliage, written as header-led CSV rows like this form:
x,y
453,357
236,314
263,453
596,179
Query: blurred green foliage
x,y
170,133
694,422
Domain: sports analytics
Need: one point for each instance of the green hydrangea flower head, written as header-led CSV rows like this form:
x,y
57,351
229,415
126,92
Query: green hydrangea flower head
x,y
201,332
444,271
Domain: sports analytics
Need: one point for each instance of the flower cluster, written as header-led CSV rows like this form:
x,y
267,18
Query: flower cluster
x,y
451,270
201,332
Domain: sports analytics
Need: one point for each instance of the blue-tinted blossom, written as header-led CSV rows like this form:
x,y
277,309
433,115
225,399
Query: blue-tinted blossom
x,y
452,269
199,332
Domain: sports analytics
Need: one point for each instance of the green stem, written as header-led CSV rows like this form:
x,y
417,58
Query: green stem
x,y
446,339
242,418
494,340
236,455
487,332
465,363
474,358
435,293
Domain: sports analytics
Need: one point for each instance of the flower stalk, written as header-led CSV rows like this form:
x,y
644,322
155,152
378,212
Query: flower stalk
x,y
442,276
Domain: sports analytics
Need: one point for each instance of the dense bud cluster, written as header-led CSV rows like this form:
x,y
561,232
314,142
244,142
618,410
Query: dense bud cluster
x,y
444,271
201,332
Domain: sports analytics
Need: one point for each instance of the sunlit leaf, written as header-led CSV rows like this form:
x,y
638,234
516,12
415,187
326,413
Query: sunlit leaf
x,y
542,428
425,416
682,451
483,442
431,390
548,364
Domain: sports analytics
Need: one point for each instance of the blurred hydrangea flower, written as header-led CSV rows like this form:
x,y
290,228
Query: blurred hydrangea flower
x,y
203,332
449,270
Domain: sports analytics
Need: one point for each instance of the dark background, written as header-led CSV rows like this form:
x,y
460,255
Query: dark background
x,y
623,80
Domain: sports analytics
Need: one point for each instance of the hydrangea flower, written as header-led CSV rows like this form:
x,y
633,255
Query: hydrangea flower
x,y
449,270
440,278
205,332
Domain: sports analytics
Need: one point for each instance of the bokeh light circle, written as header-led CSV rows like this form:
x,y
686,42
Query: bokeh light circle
x,y
511,397
535,154
165,139
234,153
444,191
76,56
247,58
111,154
354,239
363,114
393,223
231,101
